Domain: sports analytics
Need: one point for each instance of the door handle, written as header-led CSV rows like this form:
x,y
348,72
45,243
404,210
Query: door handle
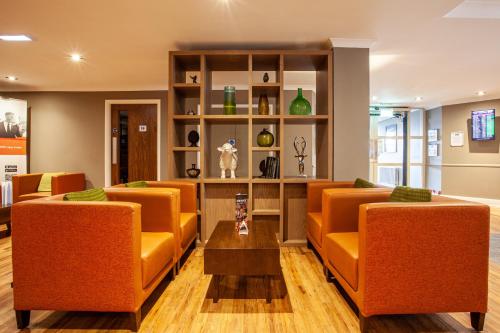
x,y
114,150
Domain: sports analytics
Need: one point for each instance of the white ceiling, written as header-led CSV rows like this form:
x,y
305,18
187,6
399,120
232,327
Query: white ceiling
x,y
417,52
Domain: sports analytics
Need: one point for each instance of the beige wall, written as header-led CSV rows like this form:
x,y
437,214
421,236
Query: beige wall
x,y
474,169
67,130
351,120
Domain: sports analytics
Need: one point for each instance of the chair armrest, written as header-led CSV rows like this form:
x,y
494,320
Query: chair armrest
x,y
188,193
76,255
341,207
423,257
160,206
25,184
68,182
315,189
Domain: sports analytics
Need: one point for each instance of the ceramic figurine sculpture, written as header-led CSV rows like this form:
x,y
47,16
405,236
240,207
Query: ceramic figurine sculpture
x,y
228,160
194,78
265,78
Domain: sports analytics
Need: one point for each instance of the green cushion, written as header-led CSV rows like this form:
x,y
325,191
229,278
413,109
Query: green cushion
x,y
409,194
95,194
139,183
46,181
361,183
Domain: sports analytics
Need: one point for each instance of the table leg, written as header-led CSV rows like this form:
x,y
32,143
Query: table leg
x,y
9,229
268,288
217,279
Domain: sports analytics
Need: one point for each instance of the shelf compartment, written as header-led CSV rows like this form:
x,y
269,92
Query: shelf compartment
x,y
220,203
295,212
257,158
270,89
227,61
185,99
182,64
266,197
265,63
183,160
215,101
274,129
317,162
181,131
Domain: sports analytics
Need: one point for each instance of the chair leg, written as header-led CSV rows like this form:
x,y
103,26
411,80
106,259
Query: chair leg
x,y
477,320
22,318
364,323
309,245
135,320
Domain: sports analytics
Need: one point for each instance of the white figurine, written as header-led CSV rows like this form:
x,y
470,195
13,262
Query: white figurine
x,y
228,160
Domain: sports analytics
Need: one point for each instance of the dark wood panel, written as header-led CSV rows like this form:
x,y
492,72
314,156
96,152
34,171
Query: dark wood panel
x,y
142,145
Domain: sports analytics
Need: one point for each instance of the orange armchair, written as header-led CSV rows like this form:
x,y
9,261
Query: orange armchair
x,y
315,212
93,256
188,216
25,187
408,258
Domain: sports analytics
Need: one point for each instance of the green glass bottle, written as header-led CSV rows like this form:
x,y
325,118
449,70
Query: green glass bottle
x,y
300,106
229,100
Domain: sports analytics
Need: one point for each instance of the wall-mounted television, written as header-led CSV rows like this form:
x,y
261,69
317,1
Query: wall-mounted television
x,y
483,125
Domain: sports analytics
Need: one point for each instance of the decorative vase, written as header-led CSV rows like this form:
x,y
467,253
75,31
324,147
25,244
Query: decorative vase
x,y
229,100
193,138
265,78
263,105
300,105
262,168
193,172
265,138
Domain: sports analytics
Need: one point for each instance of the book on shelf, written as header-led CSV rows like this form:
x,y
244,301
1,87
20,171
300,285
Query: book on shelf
x,y
272,167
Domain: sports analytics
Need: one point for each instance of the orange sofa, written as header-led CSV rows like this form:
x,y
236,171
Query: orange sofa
x,y
25,187
93,256
408,258
315,213
188,216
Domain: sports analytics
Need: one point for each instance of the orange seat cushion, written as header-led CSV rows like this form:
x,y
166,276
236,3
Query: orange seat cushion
x,y
188,228
35,195
342,253
314,221
157,250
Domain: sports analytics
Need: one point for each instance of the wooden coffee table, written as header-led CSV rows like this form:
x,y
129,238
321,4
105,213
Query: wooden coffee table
x,y
5,219
255,254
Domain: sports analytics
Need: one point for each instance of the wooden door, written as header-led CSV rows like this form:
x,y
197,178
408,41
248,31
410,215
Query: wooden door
x,y
134,129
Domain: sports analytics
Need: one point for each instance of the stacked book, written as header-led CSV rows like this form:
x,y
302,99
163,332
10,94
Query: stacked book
x,y
272,167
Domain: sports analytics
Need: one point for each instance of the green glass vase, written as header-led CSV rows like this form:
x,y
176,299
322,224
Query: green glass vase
x,y
265,138
300,106
229,100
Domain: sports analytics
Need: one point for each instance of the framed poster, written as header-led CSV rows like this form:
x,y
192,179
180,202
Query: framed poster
x,y
457,139
432,150
13,138
432,135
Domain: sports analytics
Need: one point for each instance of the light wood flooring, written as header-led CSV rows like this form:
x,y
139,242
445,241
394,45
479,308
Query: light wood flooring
x,y
310,303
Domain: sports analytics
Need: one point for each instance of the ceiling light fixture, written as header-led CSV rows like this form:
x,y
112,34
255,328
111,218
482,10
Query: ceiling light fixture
x,y
15,38
419,98
481,93
76,57
11,78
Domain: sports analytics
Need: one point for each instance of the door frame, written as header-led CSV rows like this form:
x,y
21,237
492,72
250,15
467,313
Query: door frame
x,y
107,133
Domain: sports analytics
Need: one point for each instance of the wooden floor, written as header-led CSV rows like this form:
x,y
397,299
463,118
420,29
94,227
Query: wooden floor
x,y
310,303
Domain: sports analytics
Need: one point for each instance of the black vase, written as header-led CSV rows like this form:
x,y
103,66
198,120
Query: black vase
x,y
193,172
193,138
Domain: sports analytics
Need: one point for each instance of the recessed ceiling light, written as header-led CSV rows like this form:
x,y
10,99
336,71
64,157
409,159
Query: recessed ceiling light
x,y
11,78
481,93
15,38
76,57
374,98
419,98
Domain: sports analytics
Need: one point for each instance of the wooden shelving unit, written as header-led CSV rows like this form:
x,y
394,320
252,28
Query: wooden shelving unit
x,y
280,201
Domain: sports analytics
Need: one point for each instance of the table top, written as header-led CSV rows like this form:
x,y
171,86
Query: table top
x,y
260,236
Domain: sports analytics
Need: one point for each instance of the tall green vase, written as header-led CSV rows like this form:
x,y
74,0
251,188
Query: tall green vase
x,y
229,100
300,106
